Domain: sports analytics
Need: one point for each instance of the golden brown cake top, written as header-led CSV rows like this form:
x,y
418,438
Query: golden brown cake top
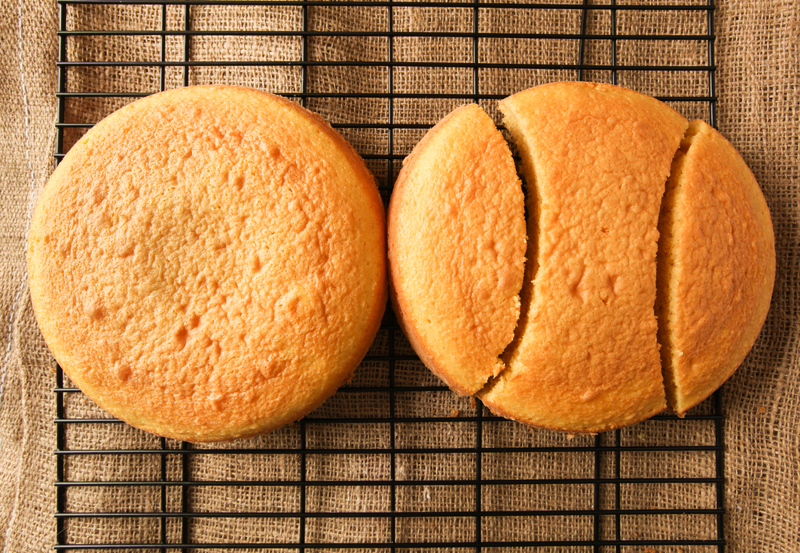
x,y
209,263
586,356
717,266
457,248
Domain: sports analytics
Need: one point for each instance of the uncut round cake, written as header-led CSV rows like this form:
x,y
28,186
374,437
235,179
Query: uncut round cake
x,y
209,263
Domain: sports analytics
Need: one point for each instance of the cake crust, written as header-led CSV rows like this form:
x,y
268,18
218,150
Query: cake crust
x,y
456,243
208,263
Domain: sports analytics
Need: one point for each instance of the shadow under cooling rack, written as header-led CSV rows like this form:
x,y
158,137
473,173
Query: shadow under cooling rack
x,y
393,461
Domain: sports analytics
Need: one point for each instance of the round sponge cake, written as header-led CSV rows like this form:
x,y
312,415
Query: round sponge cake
x,y
209,263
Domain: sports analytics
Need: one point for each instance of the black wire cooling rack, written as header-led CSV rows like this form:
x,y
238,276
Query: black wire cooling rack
x,y
393,461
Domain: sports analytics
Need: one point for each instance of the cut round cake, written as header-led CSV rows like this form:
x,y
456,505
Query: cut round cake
x,y
629,304
209,263
716,266
456,242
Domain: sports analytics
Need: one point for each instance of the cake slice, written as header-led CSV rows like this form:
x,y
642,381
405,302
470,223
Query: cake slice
x,y
596,159
716,266
456,239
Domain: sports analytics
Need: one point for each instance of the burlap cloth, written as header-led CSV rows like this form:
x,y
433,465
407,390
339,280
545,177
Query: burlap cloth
x,y
758,110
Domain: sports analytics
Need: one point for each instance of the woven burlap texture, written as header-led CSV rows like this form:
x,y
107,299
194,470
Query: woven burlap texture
x,y
758,109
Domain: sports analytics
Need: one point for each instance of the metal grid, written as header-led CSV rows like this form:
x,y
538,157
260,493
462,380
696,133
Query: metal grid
x,y
161,509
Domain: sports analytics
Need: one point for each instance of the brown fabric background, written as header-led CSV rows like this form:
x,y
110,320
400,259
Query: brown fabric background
x,y
758,110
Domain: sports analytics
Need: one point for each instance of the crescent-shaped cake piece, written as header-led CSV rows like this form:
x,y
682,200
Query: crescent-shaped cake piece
x,y
716,266
596,159
209,263
456,242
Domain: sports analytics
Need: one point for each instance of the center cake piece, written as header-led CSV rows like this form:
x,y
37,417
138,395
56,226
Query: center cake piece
x,y
596,159
456,243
